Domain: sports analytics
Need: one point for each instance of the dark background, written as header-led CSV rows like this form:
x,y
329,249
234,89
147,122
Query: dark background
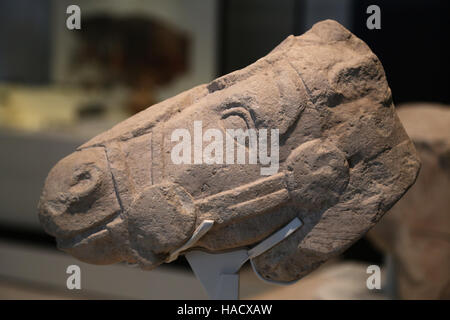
x,y
412,42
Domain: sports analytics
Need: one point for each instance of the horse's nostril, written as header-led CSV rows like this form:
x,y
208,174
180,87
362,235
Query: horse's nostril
x,y
84,176
78,194
85,181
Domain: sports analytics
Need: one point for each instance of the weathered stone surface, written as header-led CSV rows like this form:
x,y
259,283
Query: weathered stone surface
x,y
416,231
344,160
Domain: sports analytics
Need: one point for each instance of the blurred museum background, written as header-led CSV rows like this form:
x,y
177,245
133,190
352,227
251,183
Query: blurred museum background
x,y
59,87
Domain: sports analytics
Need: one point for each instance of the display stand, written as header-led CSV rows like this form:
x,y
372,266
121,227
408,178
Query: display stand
x,y
219,272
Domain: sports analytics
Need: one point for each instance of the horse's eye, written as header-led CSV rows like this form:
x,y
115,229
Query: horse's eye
x,y
237,118
238,123
234,122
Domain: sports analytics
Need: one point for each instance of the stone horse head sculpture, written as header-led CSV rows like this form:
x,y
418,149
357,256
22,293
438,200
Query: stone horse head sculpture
x,y
339,159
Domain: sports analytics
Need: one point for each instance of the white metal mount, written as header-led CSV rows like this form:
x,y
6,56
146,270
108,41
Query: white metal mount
x,y
219,272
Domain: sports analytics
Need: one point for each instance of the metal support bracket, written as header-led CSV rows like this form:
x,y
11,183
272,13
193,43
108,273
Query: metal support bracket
x,y
219,272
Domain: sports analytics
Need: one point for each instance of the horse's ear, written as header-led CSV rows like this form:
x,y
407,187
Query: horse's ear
x,y
160,220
